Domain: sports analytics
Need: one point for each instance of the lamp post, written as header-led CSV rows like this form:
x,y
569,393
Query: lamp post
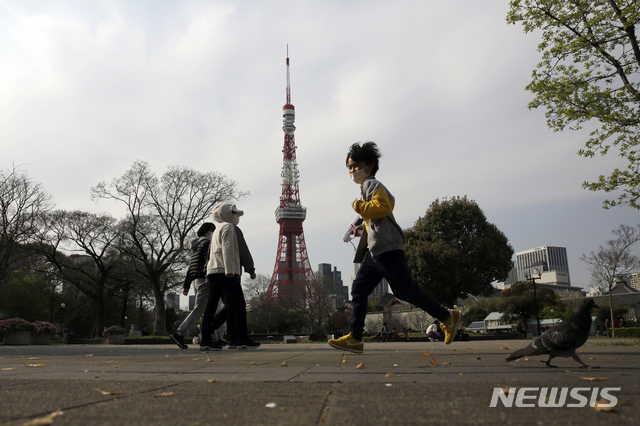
x,y
532,278
62,306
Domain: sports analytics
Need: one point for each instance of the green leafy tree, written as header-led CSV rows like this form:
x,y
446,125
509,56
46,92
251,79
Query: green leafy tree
x,y
519,301
590,72
28,297
453,250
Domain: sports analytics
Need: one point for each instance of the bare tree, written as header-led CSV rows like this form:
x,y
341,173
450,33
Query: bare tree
x,y
21,203
161,214
612,260
81,247
260,310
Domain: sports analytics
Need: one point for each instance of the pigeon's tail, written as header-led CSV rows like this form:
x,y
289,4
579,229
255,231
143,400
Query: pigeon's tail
x,y
527,350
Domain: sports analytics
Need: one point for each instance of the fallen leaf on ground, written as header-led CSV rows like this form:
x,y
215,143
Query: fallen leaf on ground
x,y
426,353
601,406
8,369
33,357
213,381
163,394
594,379
283,364
446,363
34,365
389,375
433,362
109,393
43,421
361,365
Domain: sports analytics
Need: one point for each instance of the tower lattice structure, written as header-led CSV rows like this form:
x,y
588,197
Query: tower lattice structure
x,y
292,275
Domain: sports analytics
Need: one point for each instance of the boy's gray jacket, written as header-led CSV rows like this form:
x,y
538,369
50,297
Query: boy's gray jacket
x,y
228,251
383,233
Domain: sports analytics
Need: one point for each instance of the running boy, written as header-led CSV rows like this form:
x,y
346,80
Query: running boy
x,y
381,252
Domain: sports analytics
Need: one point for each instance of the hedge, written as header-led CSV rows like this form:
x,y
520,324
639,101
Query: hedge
x,y
625,332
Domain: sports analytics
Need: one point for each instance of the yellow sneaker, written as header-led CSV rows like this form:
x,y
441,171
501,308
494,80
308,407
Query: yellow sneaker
x,y
450,326
347,343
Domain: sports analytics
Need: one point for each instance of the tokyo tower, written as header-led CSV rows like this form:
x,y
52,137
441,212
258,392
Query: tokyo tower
x,y
292,274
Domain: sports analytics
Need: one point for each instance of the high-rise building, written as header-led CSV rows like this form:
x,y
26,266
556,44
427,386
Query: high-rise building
x,y
550,262
292,273
173,300
331,280
634,281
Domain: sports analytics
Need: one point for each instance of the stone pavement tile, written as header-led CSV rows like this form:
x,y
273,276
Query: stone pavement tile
x,y
451,403
142,403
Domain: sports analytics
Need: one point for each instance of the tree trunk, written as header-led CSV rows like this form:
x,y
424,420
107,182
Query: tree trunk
x,y
125,302
160,320
613,324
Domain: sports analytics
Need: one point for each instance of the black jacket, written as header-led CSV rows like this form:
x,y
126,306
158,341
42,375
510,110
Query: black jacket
x,y
199,259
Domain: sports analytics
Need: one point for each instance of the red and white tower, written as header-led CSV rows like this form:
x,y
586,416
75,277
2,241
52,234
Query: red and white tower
x,y
292,274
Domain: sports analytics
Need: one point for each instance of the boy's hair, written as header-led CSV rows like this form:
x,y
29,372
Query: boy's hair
x,y
367,152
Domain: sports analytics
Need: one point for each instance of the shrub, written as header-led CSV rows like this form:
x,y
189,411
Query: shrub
x,y
43,327
114,329
13,325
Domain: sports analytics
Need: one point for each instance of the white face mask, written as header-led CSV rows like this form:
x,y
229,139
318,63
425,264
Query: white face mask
x,y
358,176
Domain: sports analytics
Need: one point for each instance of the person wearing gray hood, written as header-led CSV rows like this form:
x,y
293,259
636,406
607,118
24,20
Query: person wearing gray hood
x,y
228,255
196,273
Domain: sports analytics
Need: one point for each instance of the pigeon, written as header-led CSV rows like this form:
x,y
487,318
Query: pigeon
x,y
562,339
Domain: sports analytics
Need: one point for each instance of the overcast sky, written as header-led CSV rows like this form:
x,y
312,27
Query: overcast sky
x,y
89,87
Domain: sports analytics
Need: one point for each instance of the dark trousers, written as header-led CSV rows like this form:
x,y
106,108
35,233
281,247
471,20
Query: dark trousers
x,y
234,311
393,267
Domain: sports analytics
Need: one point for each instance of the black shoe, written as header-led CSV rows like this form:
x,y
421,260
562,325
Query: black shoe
x,y
232,345
248,344
210,346
179,340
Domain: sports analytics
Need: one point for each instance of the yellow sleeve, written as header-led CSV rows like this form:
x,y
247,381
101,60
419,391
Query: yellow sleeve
x,y
380,205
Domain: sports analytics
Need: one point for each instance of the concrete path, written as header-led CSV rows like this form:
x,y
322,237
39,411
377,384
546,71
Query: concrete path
x,y
403,383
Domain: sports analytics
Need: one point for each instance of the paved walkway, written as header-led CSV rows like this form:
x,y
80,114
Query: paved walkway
x,y
403,383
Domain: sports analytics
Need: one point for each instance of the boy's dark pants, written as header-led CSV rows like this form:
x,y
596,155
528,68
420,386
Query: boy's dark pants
x,y
392,266
234,311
